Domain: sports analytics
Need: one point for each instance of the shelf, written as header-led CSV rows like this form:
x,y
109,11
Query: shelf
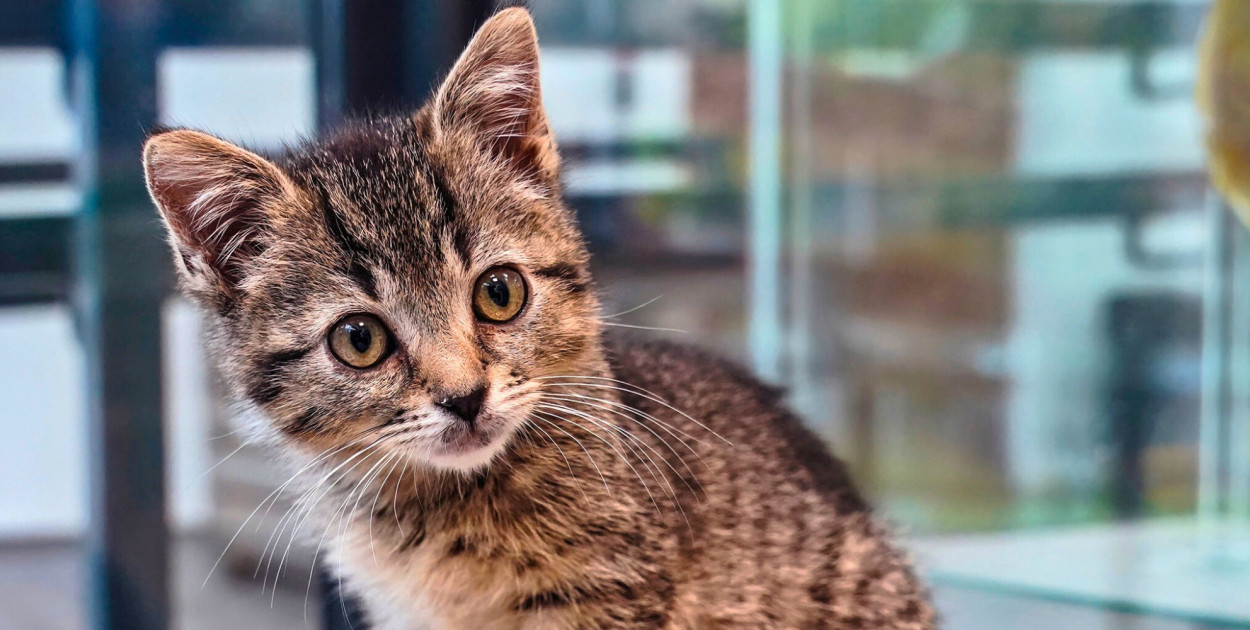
x,y
1175,568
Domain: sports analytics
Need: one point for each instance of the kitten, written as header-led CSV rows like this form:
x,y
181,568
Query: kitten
x,y
408,302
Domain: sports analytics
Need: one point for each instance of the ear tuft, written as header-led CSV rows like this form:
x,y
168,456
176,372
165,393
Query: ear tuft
x,y
493,92
215,199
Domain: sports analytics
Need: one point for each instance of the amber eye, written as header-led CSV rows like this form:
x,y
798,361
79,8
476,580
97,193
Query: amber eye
x,y
498,295
360,341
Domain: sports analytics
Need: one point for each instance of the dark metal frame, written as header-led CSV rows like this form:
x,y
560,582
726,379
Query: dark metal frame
x,y
119,289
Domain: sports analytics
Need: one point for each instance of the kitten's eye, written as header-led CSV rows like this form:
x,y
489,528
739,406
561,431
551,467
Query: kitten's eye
x,y
499,295
360,341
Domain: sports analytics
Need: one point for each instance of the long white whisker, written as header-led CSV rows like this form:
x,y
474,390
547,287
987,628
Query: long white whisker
x,y
679,457
218,464
669,428
321,541
294,513
629,441
374,508
376,445
635,414
655,328
565,457
636,308
403,468
277,493
625,459
632,389
557,427
272,495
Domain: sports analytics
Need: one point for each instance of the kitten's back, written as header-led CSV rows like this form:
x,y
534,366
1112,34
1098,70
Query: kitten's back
x,y
778,535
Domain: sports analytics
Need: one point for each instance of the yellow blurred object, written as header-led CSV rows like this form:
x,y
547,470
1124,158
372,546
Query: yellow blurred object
x,y
1223,95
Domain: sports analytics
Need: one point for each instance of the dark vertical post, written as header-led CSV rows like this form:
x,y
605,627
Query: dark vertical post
x,y
119,261
387,55
436,33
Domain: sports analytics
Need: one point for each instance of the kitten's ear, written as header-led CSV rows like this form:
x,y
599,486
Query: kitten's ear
x,y
493,92
217,201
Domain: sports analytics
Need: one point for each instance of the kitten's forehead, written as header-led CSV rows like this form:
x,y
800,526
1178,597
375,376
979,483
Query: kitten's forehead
x,y
379,179
401,209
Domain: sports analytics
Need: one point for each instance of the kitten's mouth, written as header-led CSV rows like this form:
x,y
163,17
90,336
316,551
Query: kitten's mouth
x,y
467,440
467,446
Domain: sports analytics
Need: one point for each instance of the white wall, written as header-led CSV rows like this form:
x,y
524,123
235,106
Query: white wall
x,y
43,445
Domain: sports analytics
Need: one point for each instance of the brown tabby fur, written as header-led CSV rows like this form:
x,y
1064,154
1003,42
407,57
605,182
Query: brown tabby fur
x,y
581,498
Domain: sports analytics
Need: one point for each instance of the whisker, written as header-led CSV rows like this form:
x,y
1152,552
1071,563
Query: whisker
x,y
636,308
218,464
655,328
669,428
374,508
625,459
298,509
335,517
360,457
271,496
583,447
321,541
632,389
682,460
325,455
629,442
403,468
528,422
223,435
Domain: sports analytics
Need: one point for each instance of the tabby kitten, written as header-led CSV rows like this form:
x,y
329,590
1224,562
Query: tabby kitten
x,y
409,304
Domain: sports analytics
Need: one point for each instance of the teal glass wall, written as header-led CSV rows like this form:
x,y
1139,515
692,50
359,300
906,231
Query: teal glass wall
x,y
1008,297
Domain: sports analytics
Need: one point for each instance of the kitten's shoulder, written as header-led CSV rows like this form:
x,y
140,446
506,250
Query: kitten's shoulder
x,y
671,368
775,445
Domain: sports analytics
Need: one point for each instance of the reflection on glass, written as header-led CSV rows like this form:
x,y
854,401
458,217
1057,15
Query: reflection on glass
x,y
1013,304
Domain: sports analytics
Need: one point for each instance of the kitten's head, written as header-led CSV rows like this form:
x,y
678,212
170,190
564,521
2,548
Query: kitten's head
x,y
408,276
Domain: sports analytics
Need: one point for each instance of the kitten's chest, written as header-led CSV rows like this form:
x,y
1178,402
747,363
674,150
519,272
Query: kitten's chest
x,y
442,582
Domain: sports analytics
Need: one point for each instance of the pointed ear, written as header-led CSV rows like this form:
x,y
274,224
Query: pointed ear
x,y
493,92
217,201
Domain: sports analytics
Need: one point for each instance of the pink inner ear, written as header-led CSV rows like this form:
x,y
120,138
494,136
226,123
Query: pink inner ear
x,y
516,127
494,90
212,196
221,225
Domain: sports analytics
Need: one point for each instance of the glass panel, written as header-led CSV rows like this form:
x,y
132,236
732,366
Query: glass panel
x,y
1008,281
647,100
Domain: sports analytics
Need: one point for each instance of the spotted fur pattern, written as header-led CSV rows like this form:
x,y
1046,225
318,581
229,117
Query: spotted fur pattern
x,y
606,483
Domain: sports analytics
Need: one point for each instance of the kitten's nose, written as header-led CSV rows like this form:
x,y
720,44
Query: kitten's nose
x,y
466,406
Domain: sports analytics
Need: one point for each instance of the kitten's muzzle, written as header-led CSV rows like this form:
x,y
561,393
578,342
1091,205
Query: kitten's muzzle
x,y
465,407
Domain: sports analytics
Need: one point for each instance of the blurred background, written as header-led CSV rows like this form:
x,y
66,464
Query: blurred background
x,y
973,238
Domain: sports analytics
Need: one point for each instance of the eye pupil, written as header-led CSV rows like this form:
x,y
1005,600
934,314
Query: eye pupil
x,y
360,338
498,292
